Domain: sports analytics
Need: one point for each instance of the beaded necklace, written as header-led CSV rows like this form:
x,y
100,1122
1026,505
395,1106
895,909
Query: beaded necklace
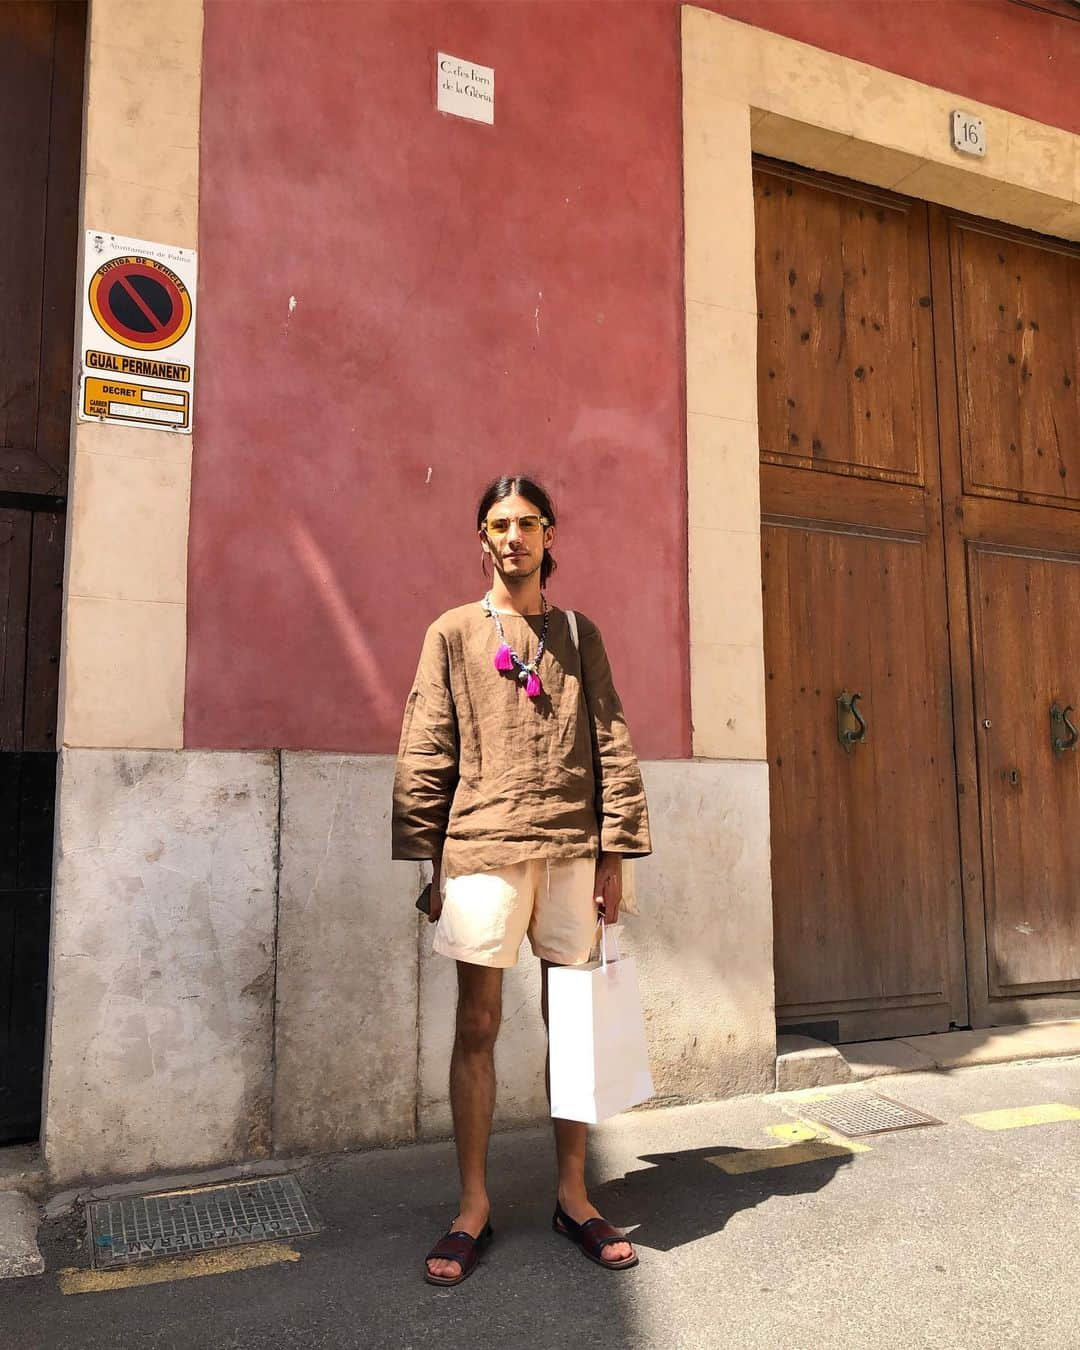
x,y
506,659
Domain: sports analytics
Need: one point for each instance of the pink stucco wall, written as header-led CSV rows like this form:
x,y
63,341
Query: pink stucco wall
x,y
395,306
468,299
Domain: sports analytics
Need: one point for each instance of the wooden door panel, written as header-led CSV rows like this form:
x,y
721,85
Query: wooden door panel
x,y
867,905
43,637
840,278
1008,347
1016,305
862,901
15,532
61,251
864,501
41,74
26,33
1027,655
1019,525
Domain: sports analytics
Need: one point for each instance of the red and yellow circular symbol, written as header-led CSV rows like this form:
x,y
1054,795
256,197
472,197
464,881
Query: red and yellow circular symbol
x,y
140,303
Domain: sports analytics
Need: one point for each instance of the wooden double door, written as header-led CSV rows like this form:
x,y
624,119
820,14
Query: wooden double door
x,y
920,481
41,79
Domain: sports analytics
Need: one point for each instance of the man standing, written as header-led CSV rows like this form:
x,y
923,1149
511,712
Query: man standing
x,y
517,779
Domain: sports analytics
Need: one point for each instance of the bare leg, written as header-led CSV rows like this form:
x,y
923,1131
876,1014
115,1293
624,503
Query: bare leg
x,y
570,1144
472,1093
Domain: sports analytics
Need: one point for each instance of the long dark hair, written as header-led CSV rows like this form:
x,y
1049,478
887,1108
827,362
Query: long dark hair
x,y
510,485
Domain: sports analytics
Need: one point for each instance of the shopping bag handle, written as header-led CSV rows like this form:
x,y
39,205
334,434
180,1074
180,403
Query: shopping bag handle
x,y
604,942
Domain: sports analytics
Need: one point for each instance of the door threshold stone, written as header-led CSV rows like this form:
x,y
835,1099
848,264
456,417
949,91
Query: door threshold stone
x,y
963,1049
802,1062
805,1063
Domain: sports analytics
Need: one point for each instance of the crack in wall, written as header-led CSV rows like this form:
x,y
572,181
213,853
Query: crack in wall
x,y
275,949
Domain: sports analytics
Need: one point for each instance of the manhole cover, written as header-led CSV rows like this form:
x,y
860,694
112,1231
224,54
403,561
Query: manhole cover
x,y
173,1223
864,1113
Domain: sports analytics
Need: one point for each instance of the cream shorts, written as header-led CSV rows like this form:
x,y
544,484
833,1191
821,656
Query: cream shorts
x,y
485,915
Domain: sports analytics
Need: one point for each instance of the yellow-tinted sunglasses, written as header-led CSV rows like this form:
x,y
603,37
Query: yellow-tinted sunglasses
x,y
500,525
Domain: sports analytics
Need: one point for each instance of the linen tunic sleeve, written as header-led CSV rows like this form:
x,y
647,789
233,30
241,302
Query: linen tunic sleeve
x,y
427,762
621,809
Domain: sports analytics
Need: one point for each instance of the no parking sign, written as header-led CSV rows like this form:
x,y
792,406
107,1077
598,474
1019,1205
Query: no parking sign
x,y
138,333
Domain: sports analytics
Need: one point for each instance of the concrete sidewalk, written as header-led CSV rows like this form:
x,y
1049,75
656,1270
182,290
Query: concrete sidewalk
x,y
956,1236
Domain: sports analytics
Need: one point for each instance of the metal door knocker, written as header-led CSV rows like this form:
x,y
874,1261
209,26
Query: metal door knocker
x,y
846,708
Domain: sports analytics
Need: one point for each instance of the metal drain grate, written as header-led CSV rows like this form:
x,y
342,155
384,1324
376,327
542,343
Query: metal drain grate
x,y
859,1113
144,1227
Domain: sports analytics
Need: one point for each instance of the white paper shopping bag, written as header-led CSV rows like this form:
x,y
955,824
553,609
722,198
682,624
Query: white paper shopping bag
x,y
596,1031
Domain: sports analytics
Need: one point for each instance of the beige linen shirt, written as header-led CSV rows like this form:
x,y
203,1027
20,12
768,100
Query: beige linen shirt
x,y
488,777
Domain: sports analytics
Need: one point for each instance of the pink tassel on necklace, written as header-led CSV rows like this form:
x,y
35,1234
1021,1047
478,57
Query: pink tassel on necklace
x,y
533,687
503,659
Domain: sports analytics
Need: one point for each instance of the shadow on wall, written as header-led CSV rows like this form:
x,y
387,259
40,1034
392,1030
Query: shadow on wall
x,y
330,591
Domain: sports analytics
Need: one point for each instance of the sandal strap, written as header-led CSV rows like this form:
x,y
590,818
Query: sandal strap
x,y
595,1233
456,1246
598,1233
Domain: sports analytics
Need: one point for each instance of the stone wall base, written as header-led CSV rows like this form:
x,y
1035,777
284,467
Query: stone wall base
x,y
238,969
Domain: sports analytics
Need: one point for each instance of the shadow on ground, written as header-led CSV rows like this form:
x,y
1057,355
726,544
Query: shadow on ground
x,y
681,1197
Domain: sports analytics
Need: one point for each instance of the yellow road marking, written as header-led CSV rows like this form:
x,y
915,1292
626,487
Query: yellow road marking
x,y
796,1131
176,1268
1014,1117
805,1141
783,1155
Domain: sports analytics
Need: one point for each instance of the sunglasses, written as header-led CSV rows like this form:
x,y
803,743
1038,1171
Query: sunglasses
x,y
500,525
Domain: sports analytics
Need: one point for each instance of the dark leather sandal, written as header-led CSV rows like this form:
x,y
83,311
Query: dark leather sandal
x,y
459,1246
592,1237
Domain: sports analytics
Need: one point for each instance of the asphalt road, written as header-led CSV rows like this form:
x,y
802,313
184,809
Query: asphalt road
x,y
949,1236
